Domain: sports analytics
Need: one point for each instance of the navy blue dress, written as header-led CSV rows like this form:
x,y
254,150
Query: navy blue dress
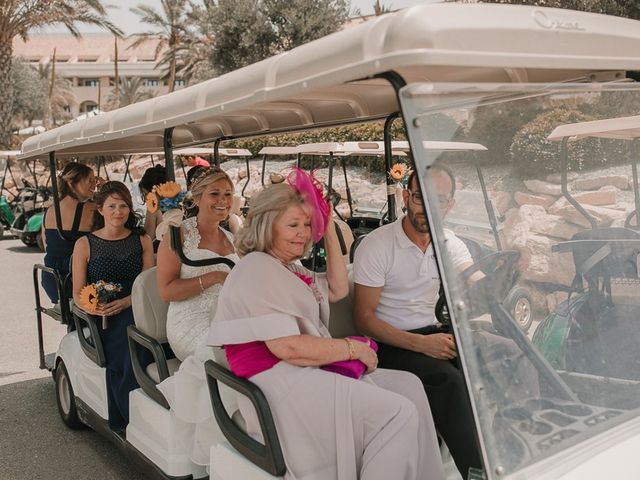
x,y
117,261
59,252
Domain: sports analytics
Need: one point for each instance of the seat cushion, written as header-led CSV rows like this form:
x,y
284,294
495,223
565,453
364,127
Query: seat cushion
x,y
152,370
149,310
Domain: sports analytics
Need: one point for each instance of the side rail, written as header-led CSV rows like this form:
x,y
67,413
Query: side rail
x,y
138,343
89,335
62,315
268,456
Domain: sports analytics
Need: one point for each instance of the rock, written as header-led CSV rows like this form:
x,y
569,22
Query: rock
x,y
545,266
598,197
538,186
554,299
242,174
603,216
543,223
523,198
555,177
619,181
276,178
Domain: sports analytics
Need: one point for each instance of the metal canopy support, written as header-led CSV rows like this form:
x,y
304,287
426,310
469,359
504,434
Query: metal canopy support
x,y
167,144
216,152
634,152
388,160
488,205
564,154
56,197
127,162
264,167
346,186
299,159
248,179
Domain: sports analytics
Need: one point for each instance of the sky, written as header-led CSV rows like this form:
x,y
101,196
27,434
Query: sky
x,y
128,21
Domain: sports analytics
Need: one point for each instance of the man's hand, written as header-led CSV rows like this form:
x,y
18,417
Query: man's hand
x,y
438,345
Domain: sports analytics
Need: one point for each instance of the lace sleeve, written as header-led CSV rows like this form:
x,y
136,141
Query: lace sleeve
x,y
191,235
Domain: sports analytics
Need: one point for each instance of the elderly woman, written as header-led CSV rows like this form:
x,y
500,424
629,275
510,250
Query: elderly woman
x,y
272,321
192,293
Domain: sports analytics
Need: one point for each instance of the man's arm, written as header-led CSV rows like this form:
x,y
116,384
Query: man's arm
x,y
438,345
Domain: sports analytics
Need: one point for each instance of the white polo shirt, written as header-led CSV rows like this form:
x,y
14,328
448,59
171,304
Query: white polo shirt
x,y
388,258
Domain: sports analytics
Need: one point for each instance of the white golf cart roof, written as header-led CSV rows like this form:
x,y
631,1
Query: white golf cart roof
x,y
443,146
348,149
623,128
224,152
278,151
9,153
333,80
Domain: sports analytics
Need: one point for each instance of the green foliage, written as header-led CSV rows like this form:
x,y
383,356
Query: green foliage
x,y
621,8
496,125
29,93
535,156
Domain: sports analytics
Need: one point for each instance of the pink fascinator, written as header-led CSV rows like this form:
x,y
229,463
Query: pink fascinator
x,y
311,191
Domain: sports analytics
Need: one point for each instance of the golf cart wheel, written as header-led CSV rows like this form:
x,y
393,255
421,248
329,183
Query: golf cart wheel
x,y
520,305
66,399
1,231
40,242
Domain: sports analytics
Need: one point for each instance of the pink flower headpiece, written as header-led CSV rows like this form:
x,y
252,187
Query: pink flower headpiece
x,y
311,191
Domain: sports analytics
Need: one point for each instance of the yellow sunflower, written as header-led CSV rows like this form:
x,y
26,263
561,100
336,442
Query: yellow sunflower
x,y
168,189
89,298
152,202
398,171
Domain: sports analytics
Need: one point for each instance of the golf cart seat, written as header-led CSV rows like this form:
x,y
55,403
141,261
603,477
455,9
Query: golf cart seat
x,y
150,334
341,313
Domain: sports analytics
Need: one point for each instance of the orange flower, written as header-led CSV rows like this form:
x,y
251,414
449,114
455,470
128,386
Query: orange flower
x,y
398,171
152,202
168,189
89,298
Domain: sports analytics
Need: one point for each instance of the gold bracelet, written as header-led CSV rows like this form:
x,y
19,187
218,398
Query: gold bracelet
x,y
352,349
200,282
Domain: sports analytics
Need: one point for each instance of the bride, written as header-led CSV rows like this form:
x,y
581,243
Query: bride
x,y
192,293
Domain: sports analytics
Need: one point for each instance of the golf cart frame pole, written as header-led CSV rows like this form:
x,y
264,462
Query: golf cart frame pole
x,y
56,198
634,152
127,161
488,204
298,159
388,159
167,145
564,155
244,187
216,151
346,186
264,167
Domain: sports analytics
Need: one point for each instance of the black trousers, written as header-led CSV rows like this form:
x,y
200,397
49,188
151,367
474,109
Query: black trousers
x,y
446,390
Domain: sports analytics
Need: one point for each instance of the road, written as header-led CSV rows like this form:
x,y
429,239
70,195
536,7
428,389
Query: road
x,y
34,443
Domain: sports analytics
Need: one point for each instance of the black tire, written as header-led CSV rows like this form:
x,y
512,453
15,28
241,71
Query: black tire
x,y
40,241
520,305
65,398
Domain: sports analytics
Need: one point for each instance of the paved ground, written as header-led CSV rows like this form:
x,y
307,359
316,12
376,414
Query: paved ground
x,y
34,443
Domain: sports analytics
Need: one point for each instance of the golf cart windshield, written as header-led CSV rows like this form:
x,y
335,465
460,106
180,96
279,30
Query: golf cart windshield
x,y
544,400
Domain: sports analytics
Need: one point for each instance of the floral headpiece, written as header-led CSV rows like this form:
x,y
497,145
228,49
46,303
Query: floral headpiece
x,y
311,191
165,196
400,173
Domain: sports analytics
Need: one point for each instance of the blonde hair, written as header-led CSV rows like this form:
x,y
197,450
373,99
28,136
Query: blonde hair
x,y
206,178
266,207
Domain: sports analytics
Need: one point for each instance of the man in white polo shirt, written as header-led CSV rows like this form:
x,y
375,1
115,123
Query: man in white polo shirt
x,y
396,288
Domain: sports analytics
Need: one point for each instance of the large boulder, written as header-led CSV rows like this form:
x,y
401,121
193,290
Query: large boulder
x,y
603,216
501,200
619,181
556,177
523,198
546,188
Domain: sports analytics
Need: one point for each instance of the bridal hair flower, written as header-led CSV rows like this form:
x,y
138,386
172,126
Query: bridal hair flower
x,y
311,191
165,196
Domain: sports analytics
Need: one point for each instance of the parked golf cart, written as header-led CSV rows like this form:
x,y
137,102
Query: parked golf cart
x,y
6,213
602,310
395,63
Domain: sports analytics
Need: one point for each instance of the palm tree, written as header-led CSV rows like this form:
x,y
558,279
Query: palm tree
x,y
131,90
380,9
170,28
60,91
18,18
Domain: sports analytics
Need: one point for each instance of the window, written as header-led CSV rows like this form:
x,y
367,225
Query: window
x,y
87,59
89,82
88,106
180,82
150,82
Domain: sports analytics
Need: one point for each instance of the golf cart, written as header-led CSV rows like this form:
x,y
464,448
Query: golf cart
x,y
6,213
397,63
602,310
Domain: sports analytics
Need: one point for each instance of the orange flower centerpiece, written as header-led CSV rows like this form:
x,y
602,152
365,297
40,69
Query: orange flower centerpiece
x,y
97,294
400,173
165,196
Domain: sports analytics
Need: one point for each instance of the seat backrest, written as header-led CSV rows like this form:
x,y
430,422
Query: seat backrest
x,y
347,235
354,245
149,310
341,314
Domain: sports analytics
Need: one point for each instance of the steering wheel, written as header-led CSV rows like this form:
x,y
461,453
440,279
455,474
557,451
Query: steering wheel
x,y
499,273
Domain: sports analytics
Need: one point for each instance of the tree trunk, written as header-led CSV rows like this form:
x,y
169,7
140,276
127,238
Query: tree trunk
x,y
172,73
6,99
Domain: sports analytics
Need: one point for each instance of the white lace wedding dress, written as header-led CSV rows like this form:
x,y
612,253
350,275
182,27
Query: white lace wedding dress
x,y
187,328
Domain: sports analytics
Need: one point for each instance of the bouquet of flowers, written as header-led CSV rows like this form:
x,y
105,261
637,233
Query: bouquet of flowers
x,y
400,173
165,196
96,294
